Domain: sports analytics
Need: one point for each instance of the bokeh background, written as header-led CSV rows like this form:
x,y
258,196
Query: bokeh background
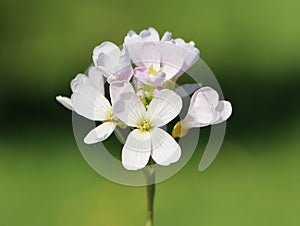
x,y
253,47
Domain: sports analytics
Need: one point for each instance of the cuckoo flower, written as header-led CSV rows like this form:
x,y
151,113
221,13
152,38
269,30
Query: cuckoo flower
x,y
147,139
189,52
205,109
114,63
149,35
92,104
149,76
159,59
172,57
94,79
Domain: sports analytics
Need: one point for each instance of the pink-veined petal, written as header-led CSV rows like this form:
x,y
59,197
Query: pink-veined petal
x,y
141,75
165,150
136,150
158,79
202,107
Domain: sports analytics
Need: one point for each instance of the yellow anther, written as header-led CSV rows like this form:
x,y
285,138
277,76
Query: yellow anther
x,y
145,125
152,71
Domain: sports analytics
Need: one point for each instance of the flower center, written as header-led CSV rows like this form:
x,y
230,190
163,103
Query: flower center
x,y
152,71
145,125
110,116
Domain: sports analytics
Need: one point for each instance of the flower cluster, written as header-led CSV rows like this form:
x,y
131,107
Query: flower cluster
x,y
142,96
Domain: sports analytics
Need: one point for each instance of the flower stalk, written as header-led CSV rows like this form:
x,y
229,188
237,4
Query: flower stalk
x,y
150,178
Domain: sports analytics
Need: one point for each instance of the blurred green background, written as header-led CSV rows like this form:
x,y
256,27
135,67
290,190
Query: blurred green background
x,y
253,47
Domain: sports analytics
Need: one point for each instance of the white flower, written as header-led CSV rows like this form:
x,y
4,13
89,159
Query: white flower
x,y
149,76
189,52
147,139
114,63
173,57
205,109
147,35
92,104
94,79
159,58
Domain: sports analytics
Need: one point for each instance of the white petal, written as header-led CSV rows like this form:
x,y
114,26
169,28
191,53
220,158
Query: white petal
x,y
189,53
105,64
90,103
118,78
79,80
225,109
136,151
96,79
133,43
191,56
100,133
172,59
164,107
130,33
65,101
165,150
116,88
123,70
150,55
192,43
104,70
157,80
178,41
167,36
129,108
149,35
109,49
202,107
211,95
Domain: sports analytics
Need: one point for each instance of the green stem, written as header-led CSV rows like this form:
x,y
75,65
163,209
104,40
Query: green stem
x,y
120,135
150,178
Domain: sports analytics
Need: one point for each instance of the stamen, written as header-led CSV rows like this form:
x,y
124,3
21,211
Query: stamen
x,y
145,125
110,116
152,71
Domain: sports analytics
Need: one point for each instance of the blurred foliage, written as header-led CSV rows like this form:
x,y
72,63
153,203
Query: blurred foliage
x,y
48,42
252,46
